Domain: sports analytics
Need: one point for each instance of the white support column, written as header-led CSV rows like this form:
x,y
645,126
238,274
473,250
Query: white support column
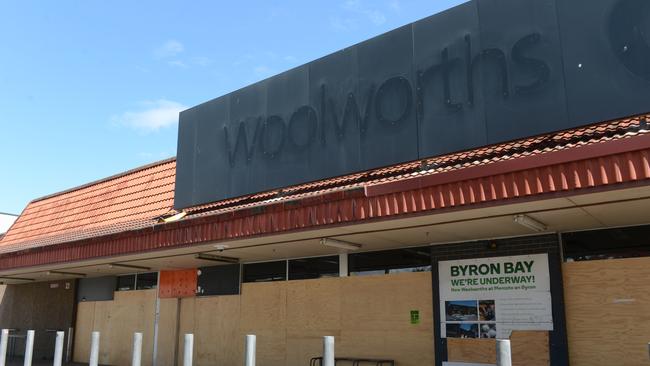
x,y
504,357
58,348
251,345
4,339
343,265
328,351
94,349
29,348
137,349
188,350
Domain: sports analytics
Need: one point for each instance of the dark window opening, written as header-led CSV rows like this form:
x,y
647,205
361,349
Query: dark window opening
x,y
265,272
390,261
628,242
139,281
218,280
308,268
146,281
126,283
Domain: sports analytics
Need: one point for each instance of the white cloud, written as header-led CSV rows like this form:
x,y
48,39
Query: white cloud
x,y
151,116
178,63
170,48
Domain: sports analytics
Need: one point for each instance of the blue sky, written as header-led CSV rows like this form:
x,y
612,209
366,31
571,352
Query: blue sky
x,y
92,88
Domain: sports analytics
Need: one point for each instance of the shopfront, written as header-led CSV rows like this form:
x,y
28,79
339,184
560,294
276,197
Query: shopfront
x,y
481,173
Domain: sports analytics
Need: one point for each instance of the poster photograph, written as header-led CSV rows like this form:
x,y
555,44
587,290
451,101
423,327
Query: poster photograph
x,y
491,297
461,310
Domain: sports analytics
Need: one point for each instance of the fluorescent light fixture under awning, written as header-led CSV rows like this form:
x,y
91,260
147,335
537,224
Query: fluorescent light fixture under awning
x,y
530,223
128,266
62,273
335,243
216,258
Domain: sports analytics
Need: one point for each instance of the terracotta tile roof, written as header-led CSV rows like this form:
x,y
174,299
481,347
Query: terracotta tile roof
x,y
127,201
136,199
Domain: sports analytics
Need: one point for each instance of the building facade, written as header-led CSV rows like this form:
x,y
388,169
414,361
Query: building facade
x,y
416,196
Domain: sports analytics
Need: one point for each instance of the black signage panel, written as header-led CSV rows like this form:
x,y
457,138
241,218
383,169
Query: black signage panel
x,y
334,89
606,49
388,128
448,91
521,66
484,72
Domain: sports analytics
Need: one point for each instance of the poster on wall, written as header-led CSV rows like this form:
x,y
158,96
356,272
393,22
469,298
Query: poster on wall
x,y
491,297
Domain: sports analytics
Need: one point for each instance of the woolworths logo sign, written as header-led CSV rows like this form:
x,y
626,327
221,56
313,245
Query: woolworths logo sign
x,y
463,277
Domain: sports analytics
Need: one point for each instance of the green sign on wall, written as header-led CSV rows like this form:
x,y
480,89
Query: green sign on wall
x,y
415,316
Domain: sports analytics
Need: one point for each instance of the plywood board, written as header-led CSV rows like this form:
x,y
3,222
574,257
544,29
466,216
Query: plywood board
x,y
529,348
167,331
181,283
313,310
186,325
264,313
369,316
218,341
375,318
117,320
608,311
83,329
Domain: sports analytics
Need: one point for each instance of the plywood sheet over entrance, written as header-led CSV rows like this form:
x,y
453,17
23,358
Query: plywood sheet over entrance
x,y
608,311
117,320
369,316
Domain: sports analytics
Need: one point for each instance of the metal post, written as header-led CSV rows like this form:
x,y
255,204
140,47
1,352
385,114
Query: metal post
x,y
58,348
4,339
68,347
504,358
137,349
251,341
156,322
29,348
188,350
328,351
94,349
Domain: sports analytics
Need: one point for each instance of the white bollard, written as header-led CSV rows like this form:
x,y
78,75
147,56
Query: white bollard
x,y
29,348
4,339
328,351
251,341
58,348
504,357
94,349
137,349
188,350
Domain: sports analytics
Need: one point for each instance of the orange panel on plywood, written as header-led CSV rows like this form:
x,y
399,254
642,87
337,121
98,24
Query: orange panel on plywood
x,y
178,283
